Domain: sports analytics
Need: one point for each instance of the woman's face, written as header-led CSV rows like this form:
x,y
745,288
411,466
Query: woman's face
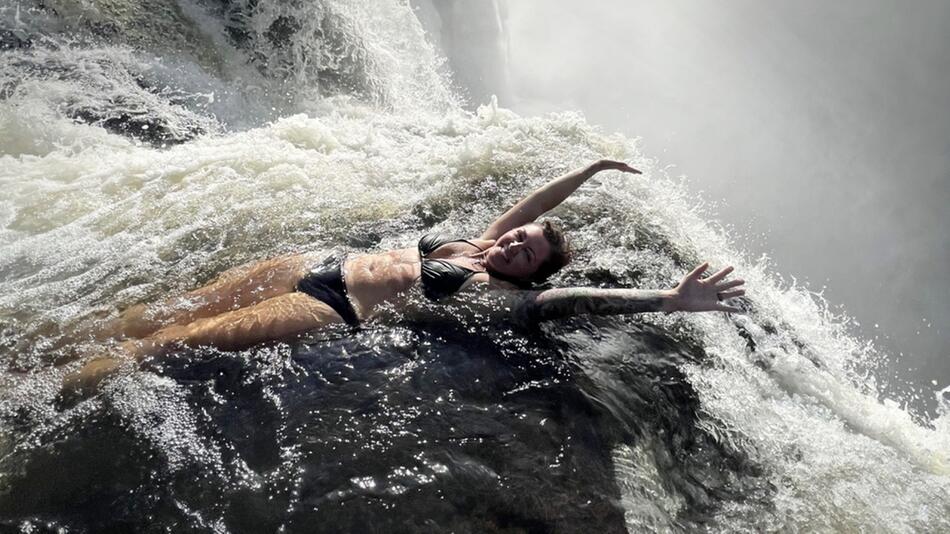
x,y
519,252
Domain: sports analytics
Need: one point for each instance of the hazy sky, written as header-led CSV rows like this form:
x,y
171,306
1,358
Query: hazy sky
x,y
823,128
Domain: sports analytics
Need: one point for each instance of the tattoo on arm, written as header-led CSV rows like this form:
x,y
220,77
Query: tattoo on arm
x,y
570,301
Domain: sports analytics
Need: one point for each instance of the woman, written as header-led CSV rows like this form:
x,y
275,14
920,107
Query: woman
x,y
286,296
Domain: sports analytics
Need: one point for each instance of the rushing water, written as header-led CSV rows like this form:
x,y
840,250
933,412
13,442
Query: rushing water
x,y
145,148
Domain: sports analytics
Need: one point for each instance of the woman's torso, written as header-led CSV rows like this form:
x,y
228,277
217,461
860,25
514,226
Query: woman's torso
x,y
375,279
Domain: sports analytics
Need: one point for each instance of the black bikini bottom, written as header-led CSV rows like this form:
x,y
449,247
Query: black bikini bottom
x,y
325,283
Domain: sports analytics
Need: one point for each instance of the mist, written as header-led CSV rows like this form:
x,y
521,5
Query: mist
x,y
818,133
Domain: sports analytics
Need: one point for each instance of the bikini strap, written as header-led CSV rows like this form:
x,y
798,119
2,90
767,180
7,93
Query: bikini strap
x,y
431,242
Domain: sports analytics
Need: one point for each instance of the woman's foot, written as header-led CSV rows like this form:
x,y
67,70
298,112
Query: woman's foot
x,y
83,383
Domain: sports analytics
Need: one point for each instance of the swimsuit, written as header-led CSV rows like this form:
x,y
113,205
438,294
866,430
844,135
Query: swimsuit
x,y
325,283
441,278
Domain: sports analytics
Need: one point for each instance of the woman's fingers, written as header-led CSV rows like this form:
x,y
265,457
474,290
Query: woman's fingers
x,y
628,168
619,166
723,295
707,294
729,285
714,279
700,269
730,309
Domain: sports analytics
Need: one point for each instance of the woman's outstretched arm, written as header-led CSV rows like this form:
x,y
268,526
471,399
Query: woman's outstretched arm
x,y
550,196
571,301
691,294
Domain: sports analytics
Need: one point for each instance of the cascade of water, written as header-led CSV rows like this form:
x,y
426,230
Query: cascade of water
x,y
764,422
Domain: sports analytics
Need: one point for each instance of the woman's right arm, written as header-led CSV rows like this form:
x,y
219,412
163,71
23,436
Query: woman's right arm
x,y
550,196
691,294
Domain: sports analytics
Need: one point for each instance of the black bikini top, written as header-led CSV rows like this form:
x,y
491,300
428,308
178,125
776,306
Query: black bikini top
x,y
441,278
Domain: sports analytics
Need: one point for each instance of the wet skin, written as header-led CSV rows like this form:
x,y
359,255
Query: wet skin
x,y
256,303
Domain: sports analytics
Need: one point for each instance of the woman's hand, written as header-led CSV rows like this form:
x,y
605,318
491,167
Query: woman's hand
x,y
706,294
611,165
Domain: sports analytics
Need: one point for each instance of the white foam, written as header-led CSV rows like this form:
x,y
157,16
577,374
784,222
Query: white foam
x,y
92,221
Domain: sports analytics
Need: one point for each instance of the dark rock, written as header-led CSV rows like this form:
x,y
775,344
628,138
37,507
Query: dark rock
x,y
9,40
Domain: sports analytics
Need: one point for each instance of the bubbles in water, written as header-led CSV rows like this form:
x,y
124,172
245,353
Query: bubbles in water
x,y
762,422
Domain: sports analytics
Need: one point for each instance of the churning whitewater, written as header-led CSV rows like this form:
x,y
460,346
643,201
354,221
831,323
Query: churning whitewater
x,y
147,146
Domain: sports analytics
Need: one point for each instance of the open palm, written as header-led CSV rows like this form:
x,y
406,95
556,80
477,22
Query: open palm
x,y
706,294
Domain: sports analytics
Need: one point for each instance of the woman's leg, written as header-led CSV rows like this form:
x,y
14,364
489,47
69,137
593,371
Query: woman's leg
x,y
236,288
275,318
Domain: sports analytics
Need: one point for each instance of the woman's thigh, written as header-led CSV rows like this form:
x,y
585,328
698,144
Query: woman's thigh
x,y
234,289
273,319
249,284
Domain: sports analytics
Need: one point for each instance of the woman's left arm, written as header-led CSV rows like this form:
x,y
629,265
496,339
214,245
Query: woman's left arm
x,y
549,197
691,294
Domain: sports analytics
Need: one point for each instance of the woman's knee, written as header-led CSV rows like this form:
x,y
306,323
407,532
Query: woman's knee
x,y
137,321
228,331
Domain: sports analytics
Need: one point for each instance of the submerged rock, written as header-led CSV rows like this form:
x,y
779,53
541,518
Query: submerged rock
x,y
10,40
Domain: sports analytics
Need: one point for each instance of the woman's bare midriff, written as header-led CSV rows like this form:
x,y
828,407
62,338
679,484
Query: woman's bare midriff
x,y
374,279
